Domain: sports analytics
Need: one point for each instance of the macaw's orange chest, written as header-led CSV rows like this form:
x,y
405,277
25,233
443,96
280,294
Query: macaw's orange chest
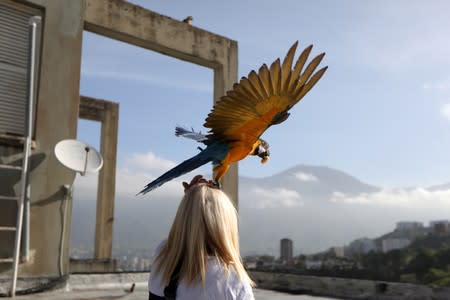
x,y
237,152
241,150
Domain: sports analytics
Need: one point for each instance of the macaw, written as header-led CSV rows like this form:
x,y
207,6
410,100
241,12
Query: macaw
x,y
238,119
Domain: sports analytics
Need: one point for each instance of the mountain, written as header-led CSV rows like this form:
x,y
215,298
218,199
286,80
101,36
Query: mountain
x,y
317,207
298,204
314,181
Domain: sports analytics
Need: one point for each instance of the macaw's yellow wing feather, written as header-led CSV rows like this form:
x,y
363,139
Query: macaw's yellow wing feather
x,y
263,98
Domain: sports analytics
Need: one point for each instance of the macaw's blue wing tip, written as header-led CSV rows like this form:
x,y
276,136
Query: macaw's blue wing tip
x,y
143,192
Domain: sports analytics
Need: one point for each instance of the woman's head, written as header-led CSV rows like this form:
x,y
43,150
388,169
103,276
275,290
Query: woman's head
x,y
205,225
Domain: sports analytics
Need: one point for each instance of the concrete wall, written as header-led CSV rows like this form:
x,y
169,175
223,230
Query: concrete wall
x,y
343,288
92,266
56,119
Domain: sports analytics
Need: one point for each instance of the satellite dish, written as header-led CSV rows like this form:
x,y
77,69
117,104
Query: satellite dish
x,y
78,156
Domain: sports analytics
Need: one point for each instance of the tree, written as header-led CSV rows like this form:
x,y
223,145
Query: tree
x,y
421,263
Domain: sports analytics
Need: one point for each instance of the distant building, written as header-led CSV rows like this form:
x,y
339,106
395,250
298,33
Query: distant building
x,y
409,225
313,264
362,245
251,265
338,251
440,227
432,223
286,248
394,243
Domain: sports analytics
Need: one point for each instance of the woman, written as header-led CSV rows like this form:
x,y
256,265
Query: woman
x,y
200,259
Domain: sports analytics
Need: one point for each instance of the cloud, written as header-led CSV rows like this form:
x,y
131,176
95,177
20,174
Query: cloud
x,y
136,172
149,161
418,198
306,177
445,110
276,197
128,184
148,79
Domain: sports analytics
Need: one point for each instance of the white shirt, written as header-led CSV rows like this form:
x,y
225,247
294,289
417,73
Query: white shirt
x,y
218,285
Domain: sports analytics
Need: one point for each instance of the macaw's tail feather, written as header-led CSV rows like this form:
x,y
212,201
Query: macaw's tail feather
x,y
190,134
181,169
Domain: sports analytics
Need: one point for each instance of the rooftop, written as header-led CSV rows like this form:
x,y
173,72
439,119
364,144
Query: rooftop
x,y
118,286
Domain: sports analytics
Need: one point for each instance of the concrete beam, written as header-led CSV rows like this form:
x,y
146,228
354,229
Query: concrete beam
x,y
93,109
135,25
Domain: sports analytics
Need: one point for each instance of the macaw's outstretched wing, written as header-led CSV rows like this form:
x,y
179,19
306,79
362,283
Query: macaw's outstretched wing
x,y
263,99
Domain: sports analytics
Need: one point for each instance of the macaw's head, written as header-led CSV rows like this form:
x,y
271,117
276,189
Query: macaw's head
x,y
262,150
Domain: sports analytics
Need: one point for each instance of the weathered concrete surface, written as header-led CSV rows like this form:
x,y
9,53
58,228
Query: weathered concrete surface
x,y
56,119
107,183
93,265
140,293
347,288
138,26
117,286
107,113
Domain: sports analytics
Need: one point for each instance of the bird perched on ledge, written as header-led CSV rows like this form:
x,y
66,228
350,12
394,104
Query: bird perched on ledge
x,y
188,20
239,118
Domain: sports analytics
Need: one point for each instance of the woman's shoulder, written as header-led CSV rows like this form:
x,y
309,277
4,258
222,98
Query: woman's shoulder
x,y
230,282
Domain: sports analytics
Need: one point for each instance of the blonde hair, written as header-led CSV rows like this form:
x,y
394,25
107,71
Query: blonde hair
x,y
205,225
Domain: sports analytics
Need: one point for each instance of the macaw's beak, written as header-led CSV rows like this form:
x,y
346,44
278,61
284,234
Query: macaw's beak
x,y
263,151
264,157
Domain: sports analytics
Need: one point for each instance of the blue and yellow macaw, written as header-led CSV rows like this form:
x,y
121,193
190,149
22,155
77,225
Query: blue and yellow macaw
x,y
239,118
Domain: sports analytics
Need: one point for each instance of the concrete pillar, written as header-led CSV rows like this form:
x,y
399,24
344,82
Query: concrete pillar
x,y
107,113
224,77
107,183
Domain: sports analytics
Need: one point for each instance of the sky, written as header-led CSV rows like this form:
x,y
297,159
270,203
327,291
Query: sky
x,y
380,113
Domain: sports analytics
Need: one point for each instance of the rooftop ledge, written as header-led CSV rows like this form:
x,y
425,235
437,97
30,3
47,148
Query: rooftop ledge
x,y
107,287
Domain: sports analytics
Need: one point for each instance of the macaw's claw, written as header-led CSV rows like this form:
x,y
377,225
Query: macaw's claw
x,y
216,184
